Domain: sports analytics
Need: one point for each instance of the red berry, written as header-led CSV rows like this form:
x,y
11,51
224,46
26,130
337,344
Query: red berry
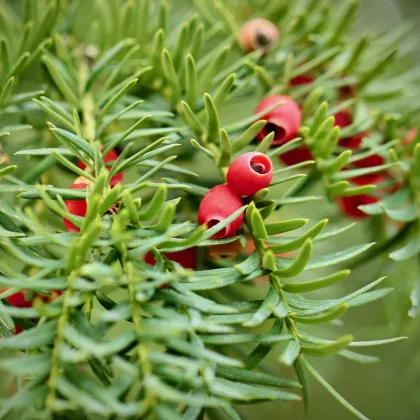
x,y
342,120
349,205
110,157
18,329
76,207
301,154
186,258
218,204
284,120
373,160
301,80
250,173
258,34
18,300
374,178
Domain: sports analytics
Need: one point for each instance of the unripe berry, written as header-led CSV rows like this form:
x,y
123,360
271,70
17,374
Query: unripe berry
x,y
186,258
285,120
76,207
258,34
249,173
110,157
217,205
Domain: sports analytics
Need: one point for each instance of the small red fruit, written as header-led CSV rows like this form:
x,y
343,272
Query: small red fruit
x,y
368,162
186,258
249,173
285,120
258,34
343,120
18,300
110,157
76,207
217,205
301,154
349,205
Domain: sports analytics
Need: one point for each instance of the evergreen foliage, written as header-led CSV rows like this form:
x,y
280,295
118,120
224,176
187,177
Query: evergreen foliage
x,y
167,84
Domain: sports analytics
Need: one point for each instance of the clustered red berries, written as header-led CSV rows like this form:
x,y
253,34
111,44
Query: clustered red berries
x,y
285,121
248,174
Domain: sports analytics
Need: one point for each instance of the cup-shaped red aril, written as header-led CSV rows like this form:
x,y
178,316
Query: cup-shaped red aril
x,y
217,205
109,157
250,173
258,34
76,207
285,120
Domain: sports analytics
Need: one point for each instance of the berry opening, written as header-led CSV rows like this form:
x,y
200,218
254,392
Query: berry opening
x,y
225,256
260,165
279,132
221,234
262,39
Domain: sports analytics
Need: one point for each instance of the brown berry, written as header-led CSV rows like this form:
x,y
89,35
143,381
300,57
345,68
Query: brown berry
x,y
258,34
